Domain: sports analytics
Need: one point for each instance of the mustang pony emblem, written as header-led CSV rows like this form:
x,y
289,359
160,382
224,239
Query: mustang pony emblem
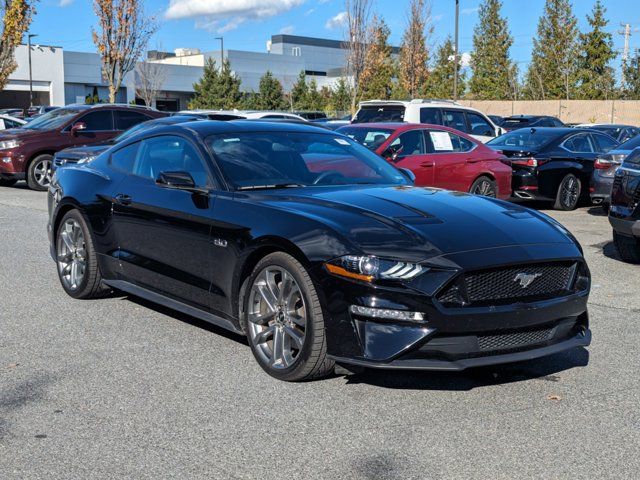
x,y
526,279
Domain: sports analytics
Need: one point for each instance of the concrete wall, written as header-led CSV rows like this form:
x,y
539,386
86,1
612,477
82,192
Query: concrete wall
x,y
569,111
47,72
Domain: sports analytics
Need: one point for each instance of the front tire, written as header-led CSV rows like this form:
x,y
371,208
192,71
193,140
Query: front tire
x,y
568,194
284,320
39,172
627,247
484,186
76,259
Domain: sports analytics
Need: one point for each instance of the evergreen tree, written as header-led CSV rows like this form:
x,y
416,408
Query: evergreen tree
x,y
270,93
314,100
217,89
341,96
299,92
414,56
376,81
440,80
552,72
493,71
631,68
596,78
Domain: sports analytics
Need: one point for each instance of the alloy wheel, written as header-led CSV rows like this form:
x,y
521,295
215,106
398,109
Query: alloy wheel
x,y
277,317
569,192
42,173
485,188
71,250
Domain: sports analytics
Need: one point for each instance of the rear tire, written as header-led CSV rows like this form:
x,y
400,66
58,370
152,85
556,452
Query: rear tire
x,y
627,247
39,172
284,320
568,194
7,182
76,258
484,186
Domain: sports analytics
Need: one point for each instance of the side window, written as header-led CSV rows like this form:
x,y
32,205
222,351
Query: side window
x,y
99,121
412,143
11,124
455,119
124,158
604,142
479,125
126,119
439,141
168,153
557,123
430,115
580,143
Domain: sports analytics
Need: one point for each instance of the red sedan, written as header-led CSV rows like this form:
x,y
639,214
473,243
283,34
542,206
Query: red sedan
x,y
438,156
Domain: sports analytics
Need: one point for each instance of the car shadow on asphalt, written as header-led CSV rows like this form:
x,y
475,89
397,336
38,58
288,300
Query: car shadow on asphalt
x,y
597,211
546,369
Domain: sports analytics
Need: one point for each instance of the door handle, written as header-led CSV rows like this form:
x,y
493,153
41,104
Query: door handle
x,y
123,199
426,164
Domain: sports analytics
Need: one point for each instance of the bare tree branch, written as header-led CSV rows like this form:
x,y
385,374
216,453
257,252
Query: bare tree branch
x,y
357,36
149,79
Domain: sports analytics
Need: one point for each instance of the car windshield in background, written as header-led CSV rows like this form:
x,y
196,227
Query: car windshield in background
x,y
379,114
629,144
611,131
633,158
281,159
524,138
513,123
54,119
132,131
371,138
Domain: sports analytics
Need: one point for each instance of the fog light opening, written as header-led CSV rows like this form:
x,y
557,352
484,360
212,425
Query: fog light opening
x,y
387,314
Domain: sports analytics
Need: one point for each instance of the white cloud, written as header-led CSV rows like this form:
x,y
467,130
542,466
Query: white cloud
x,y
338,21
65,3
288,30
465,59
437,18
309,12
469,11
225,15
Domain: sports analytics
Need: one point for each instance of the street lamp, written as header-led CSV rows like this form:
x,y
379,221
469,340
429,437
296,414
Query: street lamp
x,y
29,37
455,55
221,51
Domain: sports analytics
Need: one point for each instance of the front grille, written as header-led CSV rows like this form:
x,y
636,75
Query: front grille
x,y
514,340
507,285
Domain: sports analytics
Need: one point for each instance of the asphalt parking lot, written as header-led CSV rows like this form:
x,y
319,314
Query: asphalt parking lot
x,y
119,388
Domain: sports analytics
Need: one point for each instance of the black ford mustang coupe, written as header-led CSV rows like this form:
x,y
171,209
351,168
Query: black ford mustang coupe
x,y
318,250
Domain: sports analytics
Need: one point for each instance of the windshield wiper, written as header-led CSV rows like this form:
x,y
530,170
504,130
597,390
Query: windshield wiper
x,y
272,186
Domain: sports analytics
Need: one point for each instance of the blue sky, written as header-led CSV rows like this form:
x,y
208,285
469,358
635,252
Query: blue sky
x,y
248,24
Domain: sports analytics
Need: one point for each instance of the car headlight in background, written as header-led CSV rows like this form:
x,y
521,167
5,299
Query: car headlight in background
x,y
368,268
7,144
87,159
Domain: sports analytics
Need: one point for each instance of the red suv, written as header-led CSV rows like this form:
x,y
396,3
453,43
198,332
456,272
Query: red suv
x,y
26,153
438,156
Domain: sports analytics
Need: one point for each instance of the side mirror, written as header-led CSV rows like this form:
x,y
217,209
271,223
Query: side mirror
x,y
178,180
392,153
409,174
78,127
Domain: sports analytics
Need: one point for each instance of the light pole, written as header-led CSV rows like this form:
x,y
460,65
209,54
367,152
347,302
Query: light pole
x,y
455,55
221,51
29,37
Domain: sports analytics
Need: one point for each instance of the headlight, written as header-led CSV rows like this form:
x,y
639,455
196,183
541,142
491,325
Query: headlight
x,y
87,159
369,268
7,144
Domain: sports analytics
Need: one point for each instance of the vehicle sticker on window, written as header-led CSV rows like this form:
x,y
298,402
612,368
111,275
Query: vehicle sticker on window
x,y
341,141
441,141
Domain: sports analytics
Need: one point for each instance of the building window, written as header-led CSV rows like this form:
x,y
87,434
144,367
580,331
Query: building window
x,y
296,51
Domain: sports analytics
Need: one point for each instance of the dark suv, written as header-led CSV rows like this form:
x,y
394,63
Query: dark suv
x,y
27,153
624,214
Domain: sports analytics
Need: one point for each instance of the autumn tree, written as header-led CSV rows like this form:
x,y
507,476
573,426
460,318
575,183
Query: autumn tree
x,y
414,54
493,72
440,80
149,78
122,35
270,93
376,80
358,19
218,89
596,77
16,18
553,68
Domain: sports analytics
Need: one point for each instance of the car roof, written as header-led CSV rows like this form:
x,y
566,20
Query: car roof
x,y
211,127
527,117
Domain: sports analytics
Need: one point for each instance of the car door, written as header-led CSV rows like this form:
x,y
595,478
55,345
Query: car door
x,y
99,127
163,233
452,159
412,154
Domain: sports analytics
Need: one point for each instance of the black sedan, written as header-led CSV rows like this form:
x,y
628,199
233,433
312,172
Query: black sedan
x,y
528,121
553,164
317,250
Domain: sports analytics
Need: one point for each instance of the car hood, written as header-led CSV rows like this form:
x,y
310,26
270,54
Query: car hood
x,y
20,133
419,223
83,152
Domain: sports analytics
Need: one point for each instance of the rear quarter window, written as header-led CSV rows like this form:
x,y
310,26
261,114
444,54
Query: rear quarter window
x,y
380,114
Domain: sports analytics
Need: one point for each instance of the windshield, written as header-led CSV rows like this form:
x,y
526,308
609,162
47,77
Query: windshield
x,y
371,138
132,131
54,119
379,114
525,139
515,122
629,144
271,159
611,131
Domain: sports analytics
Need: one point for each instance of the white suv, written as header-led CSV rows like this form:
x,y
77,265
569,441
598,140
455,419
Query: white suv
x,y
435,112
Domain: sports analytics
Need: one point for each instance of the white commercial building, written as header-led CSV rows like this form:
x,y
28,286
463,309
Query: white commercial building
x,y
62,77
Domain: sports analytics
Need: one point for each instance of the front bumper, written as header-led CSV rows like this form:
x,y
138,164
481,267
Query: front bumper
x,y
624,226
